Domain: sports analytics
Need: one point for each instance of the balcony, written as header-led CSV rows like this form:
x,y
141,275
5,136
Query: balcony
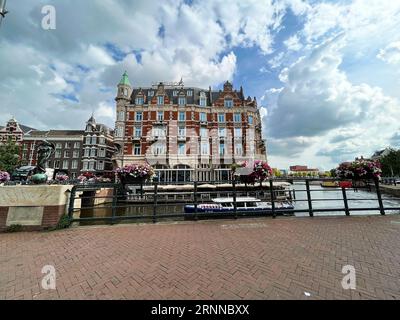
x,y
159,122
136,138
203,123
181,138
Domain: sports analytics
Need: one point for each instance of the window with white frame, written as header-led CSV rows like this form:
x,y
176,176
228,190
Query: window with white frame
x,y
228,102
203,116
93,152
189,93
238,149
237,117
181,148
121,115
138,132
136,149
92,165
100,165
66,154
238,132
181,116
221,149
221,117
102,153
205,148
150,93
58,145
250,119
77,145
94,140
181,131
139,100
57,164
57,153
65,164
221,132
138,116
181,101
87,152
160,115
75,154
88,139
102,140
203,132
67,145
74,164
160,100
158,149
175,93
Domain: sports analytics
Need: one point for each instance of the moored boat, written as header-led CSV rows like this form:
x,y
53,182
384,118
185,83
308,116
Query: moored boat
x,y
330,184
243,204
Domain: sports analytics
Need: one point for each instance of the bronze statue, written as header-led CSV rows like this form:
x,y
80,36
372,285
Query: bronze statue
x,y
44,152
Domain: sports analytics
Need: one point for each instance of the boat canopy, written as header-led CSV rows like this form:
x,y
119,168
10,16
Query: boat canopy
x,y
238,199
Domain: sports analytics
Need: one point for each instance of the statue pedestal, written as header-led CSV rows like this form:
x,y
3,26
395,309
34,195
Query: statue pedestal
x,y
33,207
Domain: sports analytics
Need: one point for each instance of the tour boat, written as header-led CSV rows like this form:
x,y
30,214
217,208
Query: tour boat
x,y
330,184
243,204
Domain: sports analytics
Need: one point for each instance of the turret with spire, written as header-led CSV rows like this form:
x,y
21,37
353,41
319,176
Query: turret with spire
x,y
124,88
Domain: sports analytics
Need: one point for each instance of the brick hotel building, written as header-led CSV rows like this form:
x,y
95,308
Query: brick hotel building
x,y
186,133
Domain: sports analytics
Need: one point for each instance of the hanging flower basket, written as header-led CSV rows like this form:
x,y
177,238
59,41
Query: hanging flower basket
x,y
135,173
359,170
261,171
4,176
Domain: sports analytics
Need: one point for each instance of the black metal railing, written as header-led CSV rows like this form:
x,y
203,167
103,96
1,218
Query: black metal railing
x,y
157,201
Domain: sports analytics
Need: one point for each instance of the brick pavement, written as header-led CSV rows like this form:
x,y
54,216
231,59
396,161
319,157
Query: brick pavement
x,y
258,258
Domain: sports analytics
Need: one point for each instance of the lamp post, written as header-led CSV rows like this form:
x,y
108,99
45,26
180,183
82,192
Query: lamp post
x,y
3,10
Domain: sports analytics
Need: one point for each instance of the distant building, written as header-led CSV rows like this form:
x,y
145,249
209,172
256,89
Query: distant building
x,y
303,171
98,149
13,131
68,149
380,154
186,133
76,151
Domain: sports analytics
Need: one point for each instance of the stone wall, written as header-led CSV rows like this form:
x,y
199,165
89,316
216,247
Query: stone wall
x,y
33,207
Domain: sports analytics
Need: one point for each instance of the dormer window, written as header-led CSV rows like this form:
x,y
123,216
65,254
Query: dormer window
x,y
139,100
175,93
228,102
189,93
203,99
125,92
150,93
181,101
160,100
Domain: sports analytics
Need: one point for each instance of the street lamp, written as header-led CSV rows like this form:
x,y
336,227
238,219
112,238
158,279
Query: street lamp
x,y
3,10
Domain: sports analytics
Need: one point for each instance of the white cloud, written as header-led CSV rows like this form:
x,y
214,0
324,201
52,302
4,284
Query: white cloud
x,y
319,102
391,53
293,43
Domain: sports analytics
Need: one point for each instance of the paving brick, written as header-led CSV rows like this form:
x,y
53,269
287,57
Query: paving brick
x,y
259,258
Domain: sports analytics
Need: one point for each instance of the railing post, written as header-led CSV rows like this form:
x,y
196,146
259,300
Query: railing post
x,y
378,193
114,204
195,200
310,209
72,203
234,198
155,202
271,191
346,205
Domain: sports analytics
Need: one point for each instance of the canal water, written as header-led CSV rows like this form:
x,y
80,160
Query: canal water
x,y
332,198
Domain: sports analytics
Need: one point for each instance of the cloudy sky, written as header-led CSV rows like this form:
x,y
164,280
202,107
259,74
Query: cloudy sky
x,y
326,74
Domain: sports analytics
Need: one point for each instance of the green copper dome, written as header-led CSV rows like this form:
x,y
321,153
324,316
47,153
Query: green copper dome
x,y
125,80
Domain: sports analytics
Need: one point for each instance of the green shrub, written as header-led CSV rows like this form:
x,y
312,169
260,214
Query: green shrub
x,y
14,228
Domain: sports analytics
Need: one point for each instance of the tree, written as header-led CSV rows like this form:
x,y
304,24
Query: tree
x,y
332,173
276,172
9,156
391,164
